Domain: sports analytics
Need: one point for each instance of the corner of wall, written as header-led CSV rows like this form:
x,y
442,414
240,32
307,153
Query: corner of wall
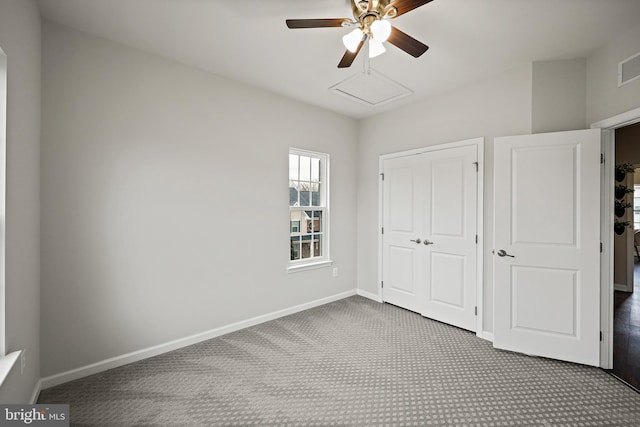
x,y
20,38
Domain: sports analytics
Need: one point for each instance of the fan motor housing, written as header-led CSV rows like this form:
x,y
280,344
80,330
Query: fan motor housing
x,y
367,11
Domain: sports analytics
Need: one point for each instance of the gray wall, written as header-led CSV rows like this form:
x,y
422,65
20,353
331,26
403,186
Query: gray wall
x,y
494,107
165,200
559,95
20,40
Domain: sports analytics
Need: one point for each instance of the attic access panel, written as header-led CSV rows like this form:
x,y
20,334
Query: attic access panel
x,y
371,88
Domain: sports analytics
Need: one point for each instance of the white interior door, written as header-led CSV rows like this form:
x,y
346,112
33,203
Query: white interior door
x,y
429,241
450,228
547,245
403,211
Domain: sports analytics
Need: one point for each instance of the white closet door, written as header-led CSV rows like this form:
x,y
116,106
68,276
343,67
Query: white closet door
x,y
430,228
450,229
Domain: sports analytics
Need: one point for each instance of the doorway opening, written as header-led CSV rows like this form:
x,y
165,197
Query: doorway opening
x,y
609,129
626,301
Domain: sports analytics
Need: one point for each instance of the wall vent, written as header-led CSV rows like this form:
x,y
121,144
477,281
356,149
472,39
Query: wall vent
x,y
629,70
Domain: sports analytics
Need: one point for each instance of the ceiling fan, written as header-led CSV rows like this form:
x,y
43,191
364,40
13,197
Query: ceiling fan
x,y
371,17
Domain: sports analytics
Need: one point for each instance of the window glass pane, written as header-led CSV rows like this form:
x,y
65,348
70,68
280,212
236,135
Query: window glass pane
x,y
308,222
636,207
315,194
293,167
305,168
305,194
306,248
294,224
317,222
315,169
313,222
295,248
317,245
293,193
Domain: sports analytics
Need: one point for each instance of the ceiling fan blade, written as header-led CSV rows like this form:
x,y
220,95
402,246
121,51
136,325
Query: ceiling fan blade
x,y
407,43
349,56
404,6
316,23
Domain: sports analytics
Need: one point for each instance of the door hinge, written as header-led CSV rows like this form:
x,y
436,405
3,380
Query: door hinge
x,y
600,335
602,158
382,175
382,284
477,166
382,230
600,247
476,311
476,239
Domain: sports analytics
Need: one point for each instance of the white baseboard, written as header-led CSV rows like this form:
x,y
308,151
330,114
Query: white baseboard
x,y
36,392
114,362
369,295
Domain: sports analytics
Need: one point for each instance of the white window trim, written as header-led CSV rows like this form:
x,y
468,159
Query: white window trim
x,y
7,361
325,260
309,266
3,170
6,364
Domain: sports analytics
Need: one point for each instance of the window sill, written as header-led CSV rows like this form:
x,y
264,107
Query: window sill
x,y
6,364
310,266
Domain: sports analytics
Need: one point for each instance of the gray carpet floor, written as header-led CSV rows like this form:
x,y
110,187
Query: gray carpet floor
x,y
352,362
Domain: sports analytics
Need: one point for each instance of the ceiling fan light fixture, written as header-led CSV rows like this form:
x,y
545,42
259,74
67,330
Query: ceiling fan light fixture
x,y
375,48
371,18
353,39
380,30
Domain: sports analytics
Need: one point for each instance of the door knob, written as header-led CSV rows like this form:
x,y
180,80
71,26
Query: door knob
x,y
427,242
503,253
418,241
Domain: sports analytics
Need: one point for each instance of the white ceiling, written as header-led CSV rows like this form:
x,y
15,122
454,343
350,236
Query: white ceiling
x,y
247,40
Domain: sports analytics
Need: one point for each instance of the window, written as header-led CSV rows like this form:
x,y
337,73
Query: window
x,y
308,208
636,207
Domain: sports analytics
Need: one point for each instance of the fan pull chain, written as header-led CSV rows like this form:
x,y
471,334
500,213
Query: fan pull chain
x,y
366,64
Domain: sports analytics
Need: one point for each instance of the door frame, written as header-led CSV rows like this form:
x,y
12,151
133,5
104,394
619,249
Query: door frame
x,y
609,127
479,144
